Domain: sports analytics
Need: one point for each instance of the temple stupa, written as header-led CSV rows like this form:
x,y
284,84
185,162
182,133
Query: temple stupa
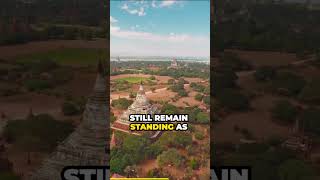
x,y
87,145
141,105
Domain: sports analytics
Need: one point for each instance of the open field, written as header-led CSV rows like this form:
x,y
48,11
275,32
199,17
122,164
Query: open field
x,y
11,52
258,121
266,58
66,56
132,80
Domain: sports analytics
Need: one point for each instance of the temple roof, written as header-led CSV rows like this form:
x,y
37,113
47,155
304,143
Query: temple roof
x,y
141,99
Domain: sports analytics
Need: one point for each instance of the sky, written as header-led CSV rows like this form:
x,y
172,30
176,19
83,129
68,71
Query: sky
x,y
160,28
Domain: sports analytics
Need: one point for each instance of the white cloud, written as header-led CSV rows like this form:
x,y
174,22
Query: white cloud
x,y
115,31
139,12
153,4
125,7
113,20
114,28
135,42
167,3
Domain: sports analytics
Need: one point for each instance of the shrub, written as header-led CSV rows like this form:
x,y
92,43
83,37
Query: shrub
x,y
197,87
198,97
311,92
194,164
152,78
233,100
70,108
284,111
310,117
199,136
171,156
37,84
9,176
264,73
171,81
182,93
289,82
121,103
39,133
202,118
169,109
206,100
132,94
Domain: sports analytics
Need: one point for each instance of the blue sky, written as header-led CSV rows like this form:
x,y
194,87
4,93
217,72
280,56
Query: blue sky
x,y
160,28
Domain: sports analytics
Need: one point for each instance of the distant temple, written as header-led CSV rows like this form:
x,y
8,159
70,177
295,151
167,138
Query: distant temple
x,y
298,141
87,145
174,64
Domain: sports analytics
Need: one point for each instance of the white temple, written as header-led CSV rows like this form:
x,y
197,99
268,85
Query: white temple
x,y
141,105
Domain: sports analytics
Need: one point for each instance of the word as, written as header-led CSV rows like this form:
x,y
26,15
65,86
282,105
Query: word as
x,y
159,117
158,127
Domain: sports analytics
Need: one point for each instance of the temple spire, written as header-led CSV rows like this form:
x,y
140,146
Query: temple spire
x,y
100,68
140,91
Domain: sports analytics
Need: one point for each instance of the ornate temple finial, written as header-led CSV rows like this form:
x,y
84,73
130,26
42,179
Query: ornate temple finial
x,y
141,87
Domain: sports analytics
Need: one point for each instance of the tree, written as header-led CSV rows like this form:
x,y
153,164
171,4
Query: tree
x,y
203,118
199,136
222,79
198,97
171,156
264,73
171,81
41,133
152,78
233,100
169,109
70,108
310,119
284,111
311,92
174,139
131,171
183,93
293,169
289,82
194,164
121,103
206,100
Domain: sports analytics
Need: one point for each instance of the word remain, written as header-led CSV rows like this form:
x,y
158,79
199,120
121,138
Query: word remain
x,y
159,118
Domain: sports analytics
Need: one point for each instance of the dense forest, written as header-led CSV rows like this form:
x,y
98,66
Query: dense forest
x,y
30,20
266,25
84,12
